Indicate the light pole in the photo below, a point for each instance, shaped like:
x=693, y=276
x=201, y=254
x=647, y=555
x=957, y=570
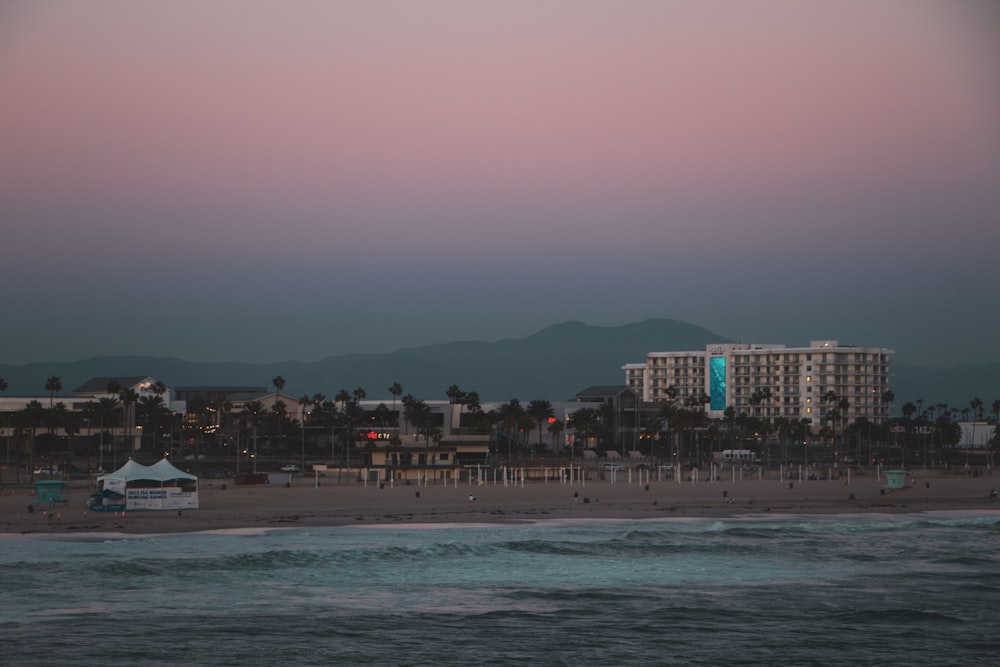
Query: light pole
x=304, y=415
x=100, y=448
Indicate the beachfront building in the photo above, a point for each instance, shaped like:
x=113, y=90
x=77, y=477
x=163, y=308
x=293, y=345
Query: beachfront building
x=619, y=409
x=107, y=412
x=820, y=383
x=452, y=442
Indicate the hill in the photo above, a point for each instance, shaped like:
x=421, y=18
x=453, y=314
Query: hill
x=554, y=364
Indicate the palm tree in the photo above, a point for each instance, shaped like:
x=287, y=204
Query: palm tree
x=354, y=415
x=540, y=411
x=280, y=413
x=783, y=426
x=976, y=406
x=475, y=408
x=418, y=413
x=525, y=425
x=52, y=385
x=584, y=421
x=908, y=411
x=107, y=408
x=342, y=397
x=396, y=390
x=382, y=415
x=253, y=410
x=887, y=399
x=304, y=403
x=279, y=383
x=159, y=388
x=432, y=433
x=454, y=393
x=34, y=415
x=671, y=393
x=555, y=429
x=326, y=415
x=473, y=402
x=3, y=387
x=457, y=397
x=150, y=409
x=510, y=413
x=730, y=415
x=225, y=411
x=70, y=421
x=844, y=405
x=830, y=399
x=682, y=420
x=128, y=398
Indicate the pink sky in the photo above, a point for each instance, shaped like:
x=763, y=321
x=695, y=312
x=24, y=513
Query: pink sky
x=462, y=131
x=145, y=99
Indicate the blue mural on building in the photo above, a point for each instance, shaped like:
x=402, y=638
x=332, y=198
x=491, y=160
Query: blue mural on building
x=717, y=382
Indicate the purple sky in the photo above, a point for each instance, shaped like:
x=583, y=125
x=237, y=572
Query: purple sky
x=259, y=181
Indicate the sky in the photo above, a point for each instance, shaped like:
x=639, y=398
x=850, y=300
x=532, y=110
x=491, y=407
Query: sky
x=253, y=180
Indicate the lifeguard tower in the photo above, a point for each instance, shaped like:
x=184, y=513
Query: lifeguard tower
x=895, y=479
x=49, y=492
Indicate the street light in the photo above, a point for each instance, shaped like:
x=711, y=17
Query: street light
x=304, y=415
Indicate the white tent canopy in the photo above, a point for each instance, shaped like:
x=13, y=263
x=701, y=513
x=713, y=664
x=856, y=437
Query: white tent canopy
x=167, y=471
x=157, y=487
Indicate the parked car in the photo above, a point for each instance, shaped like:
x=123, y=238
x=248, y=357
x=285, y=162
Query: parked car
x=46, y=471
x=290, y=467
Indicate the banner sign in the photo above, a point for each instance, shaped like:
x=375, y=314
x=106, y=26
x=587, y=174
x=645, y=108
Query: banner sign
x=166, y=498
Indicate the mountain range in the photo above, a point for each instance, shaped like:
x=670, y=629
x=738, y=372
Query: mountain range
x=553, y=364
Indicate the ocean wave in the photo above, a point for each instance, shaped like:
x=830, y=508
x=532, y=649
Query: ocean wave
x=897, y=617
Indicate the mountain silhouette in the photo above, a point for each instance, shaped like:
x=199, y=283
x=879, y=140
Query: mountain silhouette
x=553, y=364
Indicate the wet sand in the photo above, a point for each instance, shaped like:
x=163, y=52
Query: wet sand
x=226, y=506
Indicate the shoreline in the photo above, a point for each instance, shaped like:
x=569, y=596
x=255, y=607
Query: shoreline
x=302, y=504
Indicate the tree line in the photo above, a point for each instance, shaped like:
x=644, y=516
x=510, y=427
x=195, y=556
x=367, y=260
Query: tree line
x=318, y=427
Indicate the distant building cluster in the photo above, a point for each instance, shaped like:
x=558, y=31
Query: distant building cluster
x=665, y=408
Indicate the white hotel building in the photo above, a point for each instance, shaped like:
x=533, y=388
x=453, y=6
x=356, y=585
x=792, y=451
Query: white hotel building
x=794, y=379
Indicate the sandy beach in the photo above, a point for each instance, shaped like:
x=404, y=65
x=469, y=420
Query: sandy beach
x=224, y=505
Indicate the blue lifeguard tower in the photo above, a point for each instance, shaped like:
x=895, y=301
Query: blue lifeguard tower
x=895, y=479
x=49, y=492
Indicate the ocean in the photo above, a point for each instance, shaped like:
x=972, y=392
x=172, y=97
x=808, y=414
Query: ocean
x=907, y=589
